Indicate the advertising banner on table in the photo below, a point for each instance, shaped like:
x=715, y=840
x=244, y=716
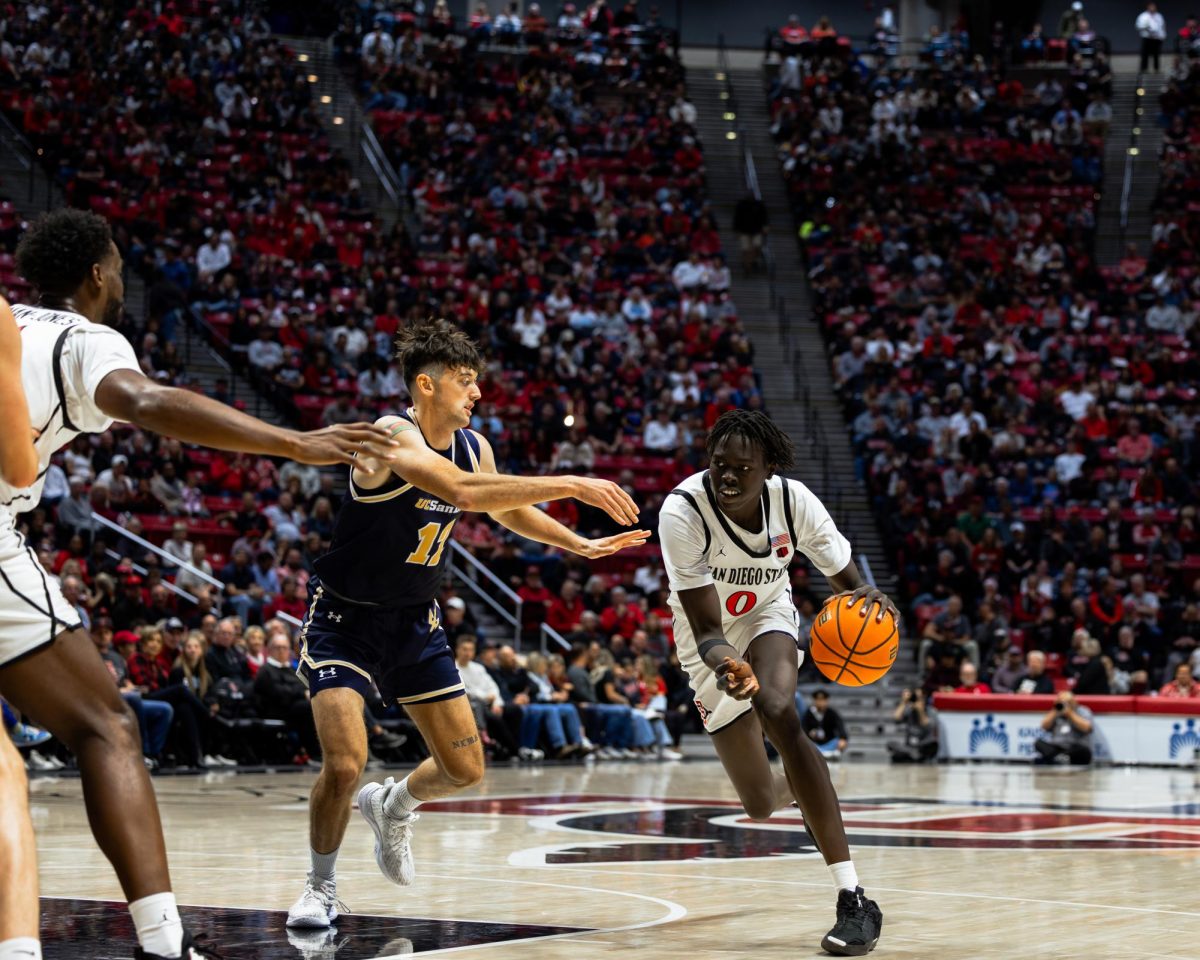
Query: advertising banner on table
x=1125, y=729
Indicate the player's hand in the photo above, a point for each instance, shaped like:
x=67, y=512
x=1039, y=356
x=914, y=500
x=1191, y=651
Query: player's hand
x=737, y=679
x=608, y=496
x=353, y=443
x=607, y=545
x=870, y=597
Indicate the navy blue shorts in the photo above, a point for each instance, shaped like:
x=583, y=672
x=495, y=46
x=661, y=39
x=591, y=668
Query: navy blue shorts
x=402, y=649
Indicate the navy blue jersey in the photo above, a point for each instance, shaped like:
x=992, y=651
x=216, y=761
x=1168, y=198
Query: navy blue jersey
x=390, y=544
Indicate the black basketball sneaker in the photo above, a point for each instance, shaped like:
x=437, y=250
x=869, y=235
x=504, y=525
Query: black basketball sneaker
x=859, y=922
x=190, y=951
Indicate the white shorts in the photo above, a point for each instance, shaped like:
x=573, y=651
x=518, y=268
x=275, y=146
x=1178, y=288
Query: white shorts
x=33, y=610
x=717, y=708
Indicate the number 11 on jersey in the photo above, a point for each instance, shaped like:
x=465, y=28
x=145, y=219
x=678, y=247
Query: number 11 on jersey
x=431, y=534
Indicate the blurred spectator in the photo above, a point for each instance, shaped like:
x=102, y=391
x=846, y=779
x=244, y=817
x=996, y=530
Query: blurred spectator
x=968, y=680
x=1182, y=685
x=1007, y=677
x=1067, y=736
x=823, y=725
x=280, y=694
x=917, y=726
x=1035, y=680
x=224, y=658
x=494, y=719
x=1153, y=30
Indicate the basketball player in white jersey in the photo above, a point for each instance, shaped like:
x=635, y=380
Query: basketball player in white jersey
x=79, y=376
x=728, y=536
x=18, y=853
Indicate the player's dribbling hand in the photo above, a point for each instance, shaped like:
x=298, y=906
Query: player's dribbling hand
x=609, y=497
x=345, y=442
x=870, y=596
x=737, y=679
x=606, y=545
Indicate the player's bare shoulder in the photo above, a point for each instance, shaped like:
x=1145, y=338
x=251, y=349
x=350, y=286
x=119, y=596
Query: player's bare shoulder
x=400, y=429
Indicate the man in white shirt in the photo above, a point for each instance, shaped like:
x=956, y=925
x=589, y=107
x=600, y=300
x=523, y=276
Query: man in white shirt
x=636, y=308
x=661, y=433
x=690, y=274
x=961, y=422
x=266, y=352
x=378, y=44
x=1153, y=30
x=117, y=479
x=1076, y=399
x=213, y=256
x=178, y=545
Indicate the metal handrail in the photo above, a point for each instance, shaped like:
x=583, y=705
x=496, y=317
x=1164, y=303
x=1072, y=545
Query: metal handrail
x=388, y=178
x=549, y=633
x=1130, y=153
x=864, y=567
x=157, y=551
x=142, y=571
x=513, y=619
x=178, y=591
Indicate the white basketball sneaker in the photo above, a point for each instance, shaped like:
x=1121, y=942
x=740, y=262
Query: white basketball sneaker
x=393, y=835
x=317, y=906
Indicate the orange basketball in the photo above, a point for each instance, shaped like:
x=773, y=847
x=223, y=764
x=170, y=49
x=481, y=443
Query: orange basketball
x=851, y=649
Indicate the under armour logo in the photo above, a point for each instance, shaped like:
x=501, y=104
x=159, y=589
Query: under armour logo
x=327, y=674
x=335, y=617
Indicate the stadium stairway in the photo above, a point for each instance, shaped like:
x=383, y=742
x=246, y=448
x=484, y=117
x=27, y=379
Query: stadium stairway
x=792, y=357
x=1129, y=130
x=793, y=362
x=349, y=131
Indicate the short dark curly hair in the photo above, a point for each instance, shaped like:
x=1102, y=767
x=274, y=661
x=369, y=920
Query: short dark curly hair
x=59, y=250
x=757, y=429
x=435, y=344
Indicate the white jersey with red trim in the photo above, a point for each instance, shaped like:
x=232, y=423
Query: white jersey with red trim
x=702, y=546
x=64, y=356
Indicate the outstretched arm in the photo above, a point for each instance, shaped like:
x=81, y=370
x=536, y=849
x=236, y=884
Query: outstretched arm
x=535, y=524
x=132, y=397
x=490, y=492
x=18, y=458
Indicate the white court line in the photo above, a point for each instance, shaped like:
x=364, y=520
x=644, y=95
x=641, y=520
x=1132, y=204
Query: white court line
x=906, y=890
x=674, y=910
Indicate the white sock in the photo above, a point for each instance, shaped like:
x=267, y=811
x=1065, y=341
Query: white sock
x=845, y=877
x=323, y=864
x=159, y=929
x=399, y=801
x=20, y=948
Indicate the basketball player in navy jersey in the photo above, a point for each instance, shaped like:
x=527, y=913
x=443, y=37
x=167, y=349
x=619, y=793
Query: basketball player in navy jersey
x=728, y=536
x=18, y=853
x=79, y=375
x=373, y=616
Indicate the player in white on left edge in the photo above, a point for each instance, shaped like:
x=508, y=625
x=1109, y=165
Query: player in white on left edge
x=728, y=536
x=79, y=376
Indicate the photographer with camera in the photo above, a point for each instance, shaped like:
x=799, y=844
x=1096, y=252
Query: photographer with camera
x=1068, y=733
x=918, y=730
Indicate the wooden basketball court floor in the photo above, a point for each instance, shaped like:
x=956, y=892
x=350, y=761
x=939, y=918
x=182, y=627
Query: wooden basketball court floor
x=657, y=861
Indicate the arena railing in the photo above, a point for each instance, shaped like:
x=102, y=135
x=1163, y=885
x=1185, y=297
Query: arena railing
x=1131, y=153
x=26, y=157
x=175, y=562
x=470, y=569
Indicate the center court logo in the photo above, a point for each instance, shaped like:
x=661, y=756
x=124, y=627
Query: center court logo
x=988, y=737
x=1183, y=738
x=623, y=829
